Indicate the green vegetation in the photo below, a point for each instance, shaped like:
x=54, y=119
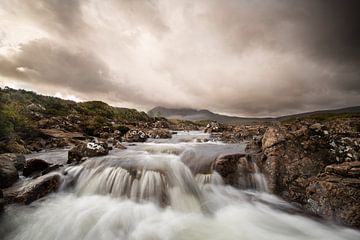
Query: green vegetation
x=21, y=112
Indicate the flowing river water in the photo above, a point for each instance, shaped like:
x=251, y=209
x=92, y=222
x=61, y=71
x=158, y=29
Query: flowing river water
x=161, y=189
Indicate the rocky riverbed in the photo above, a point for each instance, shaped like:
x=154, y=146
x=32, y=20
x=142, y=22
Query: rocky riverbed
x=312, y=164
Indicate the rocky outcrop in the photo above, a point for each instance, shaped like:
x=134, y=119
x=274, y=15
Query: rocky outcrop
x=159, y=133
x=316, y=165
x=238, y=170
x=8, y=172
x=135, y=135
x=84, y=150
x=57, y=133
x=31, y=190
x=243, y=133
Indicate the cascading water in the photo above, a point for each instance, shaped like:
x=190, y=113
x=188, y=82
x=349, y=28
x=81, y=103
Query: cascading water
x=162, y=190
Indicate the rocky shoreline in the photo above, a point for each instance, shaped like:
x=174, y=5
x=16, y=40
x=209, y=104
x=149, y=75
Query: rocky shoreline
x=312, y=164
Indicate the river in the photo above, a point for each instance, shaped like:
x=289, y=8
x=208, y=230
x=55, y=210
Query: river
x=161, y=189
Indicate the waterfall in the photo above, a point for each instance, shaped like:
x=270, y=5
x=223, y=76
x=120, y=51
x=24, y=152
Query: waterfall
x=165, y=190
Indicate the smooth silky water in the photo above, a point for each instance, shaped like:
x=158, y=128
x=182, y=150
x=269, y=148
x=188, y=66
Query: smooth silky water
x=161, y=189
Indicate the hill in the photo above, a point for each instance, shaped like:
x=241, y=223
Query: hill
x=206, y=115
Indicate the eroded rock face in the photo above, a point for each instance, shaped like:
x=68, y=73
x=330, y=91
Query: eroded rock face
x=315, y=165
x=237, y=170
x=90, y=149
x=335, y=198
x=31, y=190
x=8, y=172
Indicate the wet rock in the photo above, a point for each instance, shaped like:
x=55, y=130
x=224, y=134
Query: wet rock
x=335, y=198
x=316, y=165
x=214, y=127
x=135, y=136
x=17, y=159
x=28, y=191
x=8, y=173
x=35, y=166
x=237, y=170
x=118, y=145
x=90, y=149
x=159, y=133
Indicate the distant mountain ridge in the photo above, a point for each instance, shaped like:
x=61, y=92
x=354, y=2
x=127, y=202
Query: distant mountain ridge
x=200, y=115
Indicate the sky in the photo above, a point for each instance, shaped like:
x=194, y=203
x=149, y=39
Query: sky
x=239, y=57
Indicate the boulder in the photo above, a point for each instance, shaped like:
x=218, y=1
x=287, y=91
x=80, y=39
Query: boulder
x=8, y=173
x=135, y=135
x=237, y=170
x=214, y=127
x=159, y=133
x=118, y=145
x=32, y=189
x=272, y=137
x=17, y=159
x=35, y=166
x=90, y=149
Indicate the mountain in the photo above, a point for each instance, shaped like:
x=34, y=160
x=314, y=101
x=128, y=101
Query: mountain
x=200, y=115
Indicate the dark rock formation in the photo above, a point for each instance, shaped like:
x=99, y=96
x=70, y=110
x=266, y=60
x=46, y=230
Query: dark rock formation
x=315, y=165
x=237, y=170
x=90, y=149
x=8, y=173
x=31, y=190
x=35, y=166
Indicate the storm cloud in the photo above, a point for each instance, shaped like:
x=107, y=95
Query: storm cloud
x=250, y=58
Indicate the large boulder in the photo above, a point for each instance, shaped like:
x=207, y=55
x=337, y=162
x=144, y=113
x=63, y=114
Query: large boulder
x=8, y=172
x=35, y=166
x=84, y=150
x=135, y=135
x=32, y=189
x=237, y=170
x=159, y=133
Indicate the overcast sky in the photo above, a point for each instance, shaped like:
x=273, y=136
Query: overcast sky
x=240, y=57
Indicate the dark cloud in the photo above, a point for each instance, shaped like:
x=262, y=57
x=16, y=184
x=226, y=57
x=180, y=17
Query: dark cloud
x=242, y=57
x=43, y=62
x=63, y=16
